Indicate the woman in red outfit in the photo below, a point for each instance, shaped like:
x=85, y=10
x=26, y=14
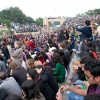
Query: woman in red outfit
x=31, y=44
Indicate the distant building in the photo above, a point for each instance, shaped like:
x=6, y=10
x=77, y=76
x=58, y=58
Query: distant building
x=3, y=30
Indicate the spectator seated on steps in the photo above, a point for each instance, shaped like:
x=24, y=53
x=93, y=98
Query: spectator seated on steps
x=59, y=68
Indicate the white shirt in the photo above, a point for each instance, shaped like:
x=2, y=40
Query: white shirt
x=50, y=49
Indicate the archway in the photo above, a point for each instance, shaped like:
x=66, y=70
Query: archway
x=47, y=21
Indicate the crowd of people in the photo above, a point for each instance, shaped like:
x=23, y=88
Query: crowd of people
x=81, y=18
x=22, y=28
x=34, y=67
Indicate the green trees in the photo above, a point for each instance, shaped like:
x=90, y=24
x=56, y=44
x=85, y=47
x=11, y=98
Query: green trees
x=90, y=12
x=39, y=21
x=96, y=11
x=4, y=21
x=14, y=14
x=29, y=20
x=93, y=12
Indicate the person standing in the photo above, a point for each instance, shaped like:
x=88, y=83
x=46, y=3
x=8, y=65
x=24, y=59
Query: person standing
x=86, y=30
x=5, y=51
x=63, y=35
x=17, y=54
x=31, y=44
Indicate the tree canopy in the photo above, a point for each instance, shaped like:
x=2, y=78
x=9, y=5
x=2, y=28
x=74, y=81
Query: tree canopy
x=14, y=14
x=93, y=12
x=39, y=21
x=90, y=12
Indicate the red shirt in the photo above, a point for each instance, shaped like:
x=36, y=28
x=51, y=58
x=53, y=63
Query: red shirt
x=43, y=61
x=31, y=44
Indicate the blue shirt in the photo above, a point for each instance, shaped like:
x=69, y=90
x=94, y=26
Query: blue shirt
x=86, y=32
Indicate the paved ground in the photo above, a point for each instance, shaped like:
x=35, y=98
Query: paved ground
x=69, y=75
x=67, y=79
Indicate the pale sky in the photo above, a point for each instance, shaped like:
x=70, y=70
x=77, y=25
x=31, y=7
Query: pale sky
x=54, y=8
